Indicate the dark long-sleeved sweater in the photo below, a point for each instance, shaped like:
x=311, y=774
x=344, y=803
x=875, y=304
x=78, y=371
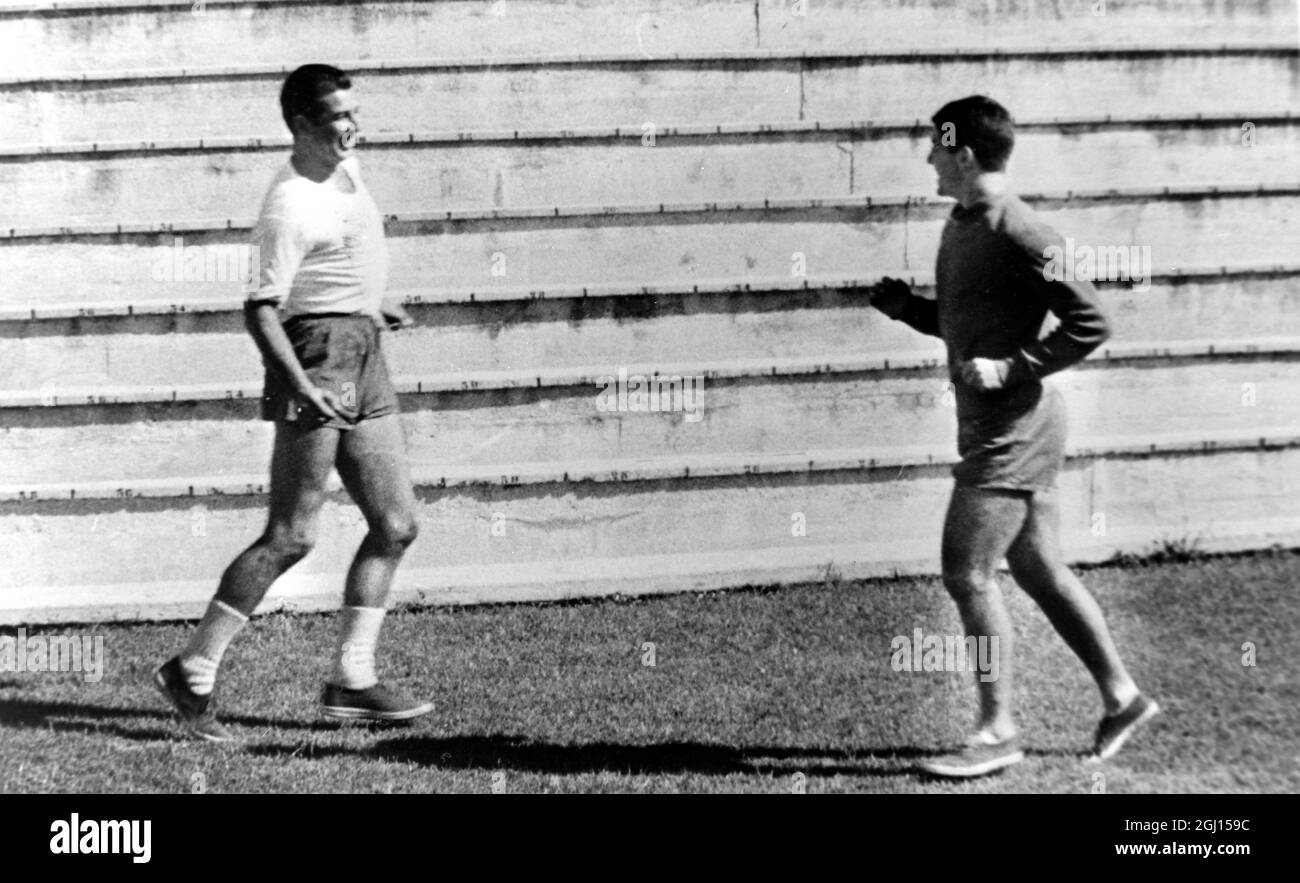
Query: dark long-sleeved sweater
x=992, y=298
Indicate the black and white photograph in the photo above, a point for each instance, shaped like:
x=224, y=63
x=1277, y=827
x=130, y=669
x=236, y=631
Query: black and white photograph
x=789, y=397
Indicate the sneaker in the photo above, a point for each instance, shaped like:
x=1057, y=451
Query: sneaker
x=979, y=758
x=377, y=703
x=1114, y=729
x=194, y=710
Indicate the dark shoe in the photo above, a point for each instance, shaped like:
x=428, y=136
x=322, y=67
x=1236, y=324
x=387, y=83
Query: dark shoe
x=1114, y=729
x=193, y=709
x=377, y=703
x=978, y=758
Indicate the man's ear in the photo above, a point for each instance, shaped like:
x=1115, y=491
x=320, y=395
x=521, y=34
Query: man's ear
x=966, y=159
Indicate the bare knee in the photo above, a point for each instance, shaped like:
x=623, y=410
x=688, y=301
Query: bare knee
x=395, y=531
x=967, y=583
x=1039, y=578
x=289, y=543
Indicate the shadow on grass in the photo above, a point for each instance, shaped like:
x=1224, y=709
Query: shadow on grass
x=489, y=753
x=104, y=720
x=514, y=753
x=524, y=755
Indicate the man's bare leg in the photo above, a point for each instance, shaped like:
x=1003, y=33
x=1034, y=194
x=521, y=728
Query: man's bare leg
x=301, y=461
x=300, y=466
x=372, y=463
x=1039, y=567
x=979, y=528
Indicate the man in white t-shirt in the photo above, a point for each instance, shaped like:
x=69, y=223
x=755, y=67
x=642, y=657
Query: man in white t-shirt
x=323, y=268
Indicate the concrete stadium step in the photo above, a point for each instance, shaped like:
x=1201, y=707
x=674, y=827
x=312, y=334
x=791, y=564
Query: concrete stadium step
x=764, y=408
x=469, y=170
x=777, y=319
x=57, y=37
x=670, y=244
x=638, y=94
x=127, y=505
x=91, y=560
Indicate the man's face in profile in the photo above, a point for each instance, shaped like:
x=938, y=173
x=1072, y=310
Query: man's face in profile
x=331, y=137
x=946, y=166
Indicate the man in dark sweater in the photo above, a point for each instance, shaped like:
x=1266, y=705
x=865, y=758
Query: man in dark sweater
x=992, y=298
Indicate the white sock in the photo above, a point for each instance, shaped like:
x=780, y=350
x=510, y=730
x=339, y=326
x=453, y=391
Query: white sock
x=1125, y=696
x=354, y=664
x=202, y=655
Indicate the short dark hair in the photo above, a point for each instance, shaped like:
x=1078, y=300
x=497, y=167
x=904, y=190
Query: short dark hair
x=304, y=88
x=983, y=125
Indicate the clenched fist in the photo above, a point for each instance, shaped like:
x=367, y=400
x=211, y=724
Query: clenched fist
x=888, y=288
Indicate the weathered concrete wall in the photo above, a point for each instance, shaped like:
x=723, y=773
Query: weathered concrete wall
x=522, y=335
x=562, y=541
x=634, y=92
x=695, y=243
x=188, y=34
x=761, y=412
x=131, y=463
x=561, y=171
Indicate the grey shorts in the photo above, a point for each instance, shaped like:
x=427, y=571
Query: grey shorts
x=341, y=353
x=1016, y=442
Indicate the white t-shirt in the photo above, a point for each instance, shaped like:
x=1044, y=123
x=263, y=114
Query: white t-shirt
x=320, y=246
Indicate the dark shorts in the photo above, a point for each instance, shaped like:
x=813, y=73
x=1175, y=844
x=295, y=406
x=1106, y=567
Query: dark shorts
x=340, y=353
x=1016, y=443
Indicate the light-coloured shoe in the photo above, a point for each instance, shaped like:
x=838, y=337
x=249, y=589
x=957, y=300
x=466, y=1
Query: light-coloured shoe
x=979, y=758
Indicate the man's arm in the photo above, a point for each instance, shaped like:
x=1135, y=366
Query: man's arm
x=894, y=298
x=263, y=322
x=1083, y=328
x=394, y=314
x=280, y=249
x=1082, y=324
x=1074, y=302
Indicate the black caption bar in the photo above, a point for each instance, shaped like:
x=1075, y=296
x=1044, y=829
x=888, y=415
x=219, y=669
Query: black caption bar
x=300, y=833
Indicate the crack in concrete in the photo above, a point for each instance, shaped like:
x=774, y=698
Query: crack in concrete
x=851, y=155
x=907, y=224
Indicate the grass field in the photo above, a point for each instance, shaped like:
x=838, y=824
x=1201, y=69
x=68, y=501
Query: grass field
x=750, y=691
